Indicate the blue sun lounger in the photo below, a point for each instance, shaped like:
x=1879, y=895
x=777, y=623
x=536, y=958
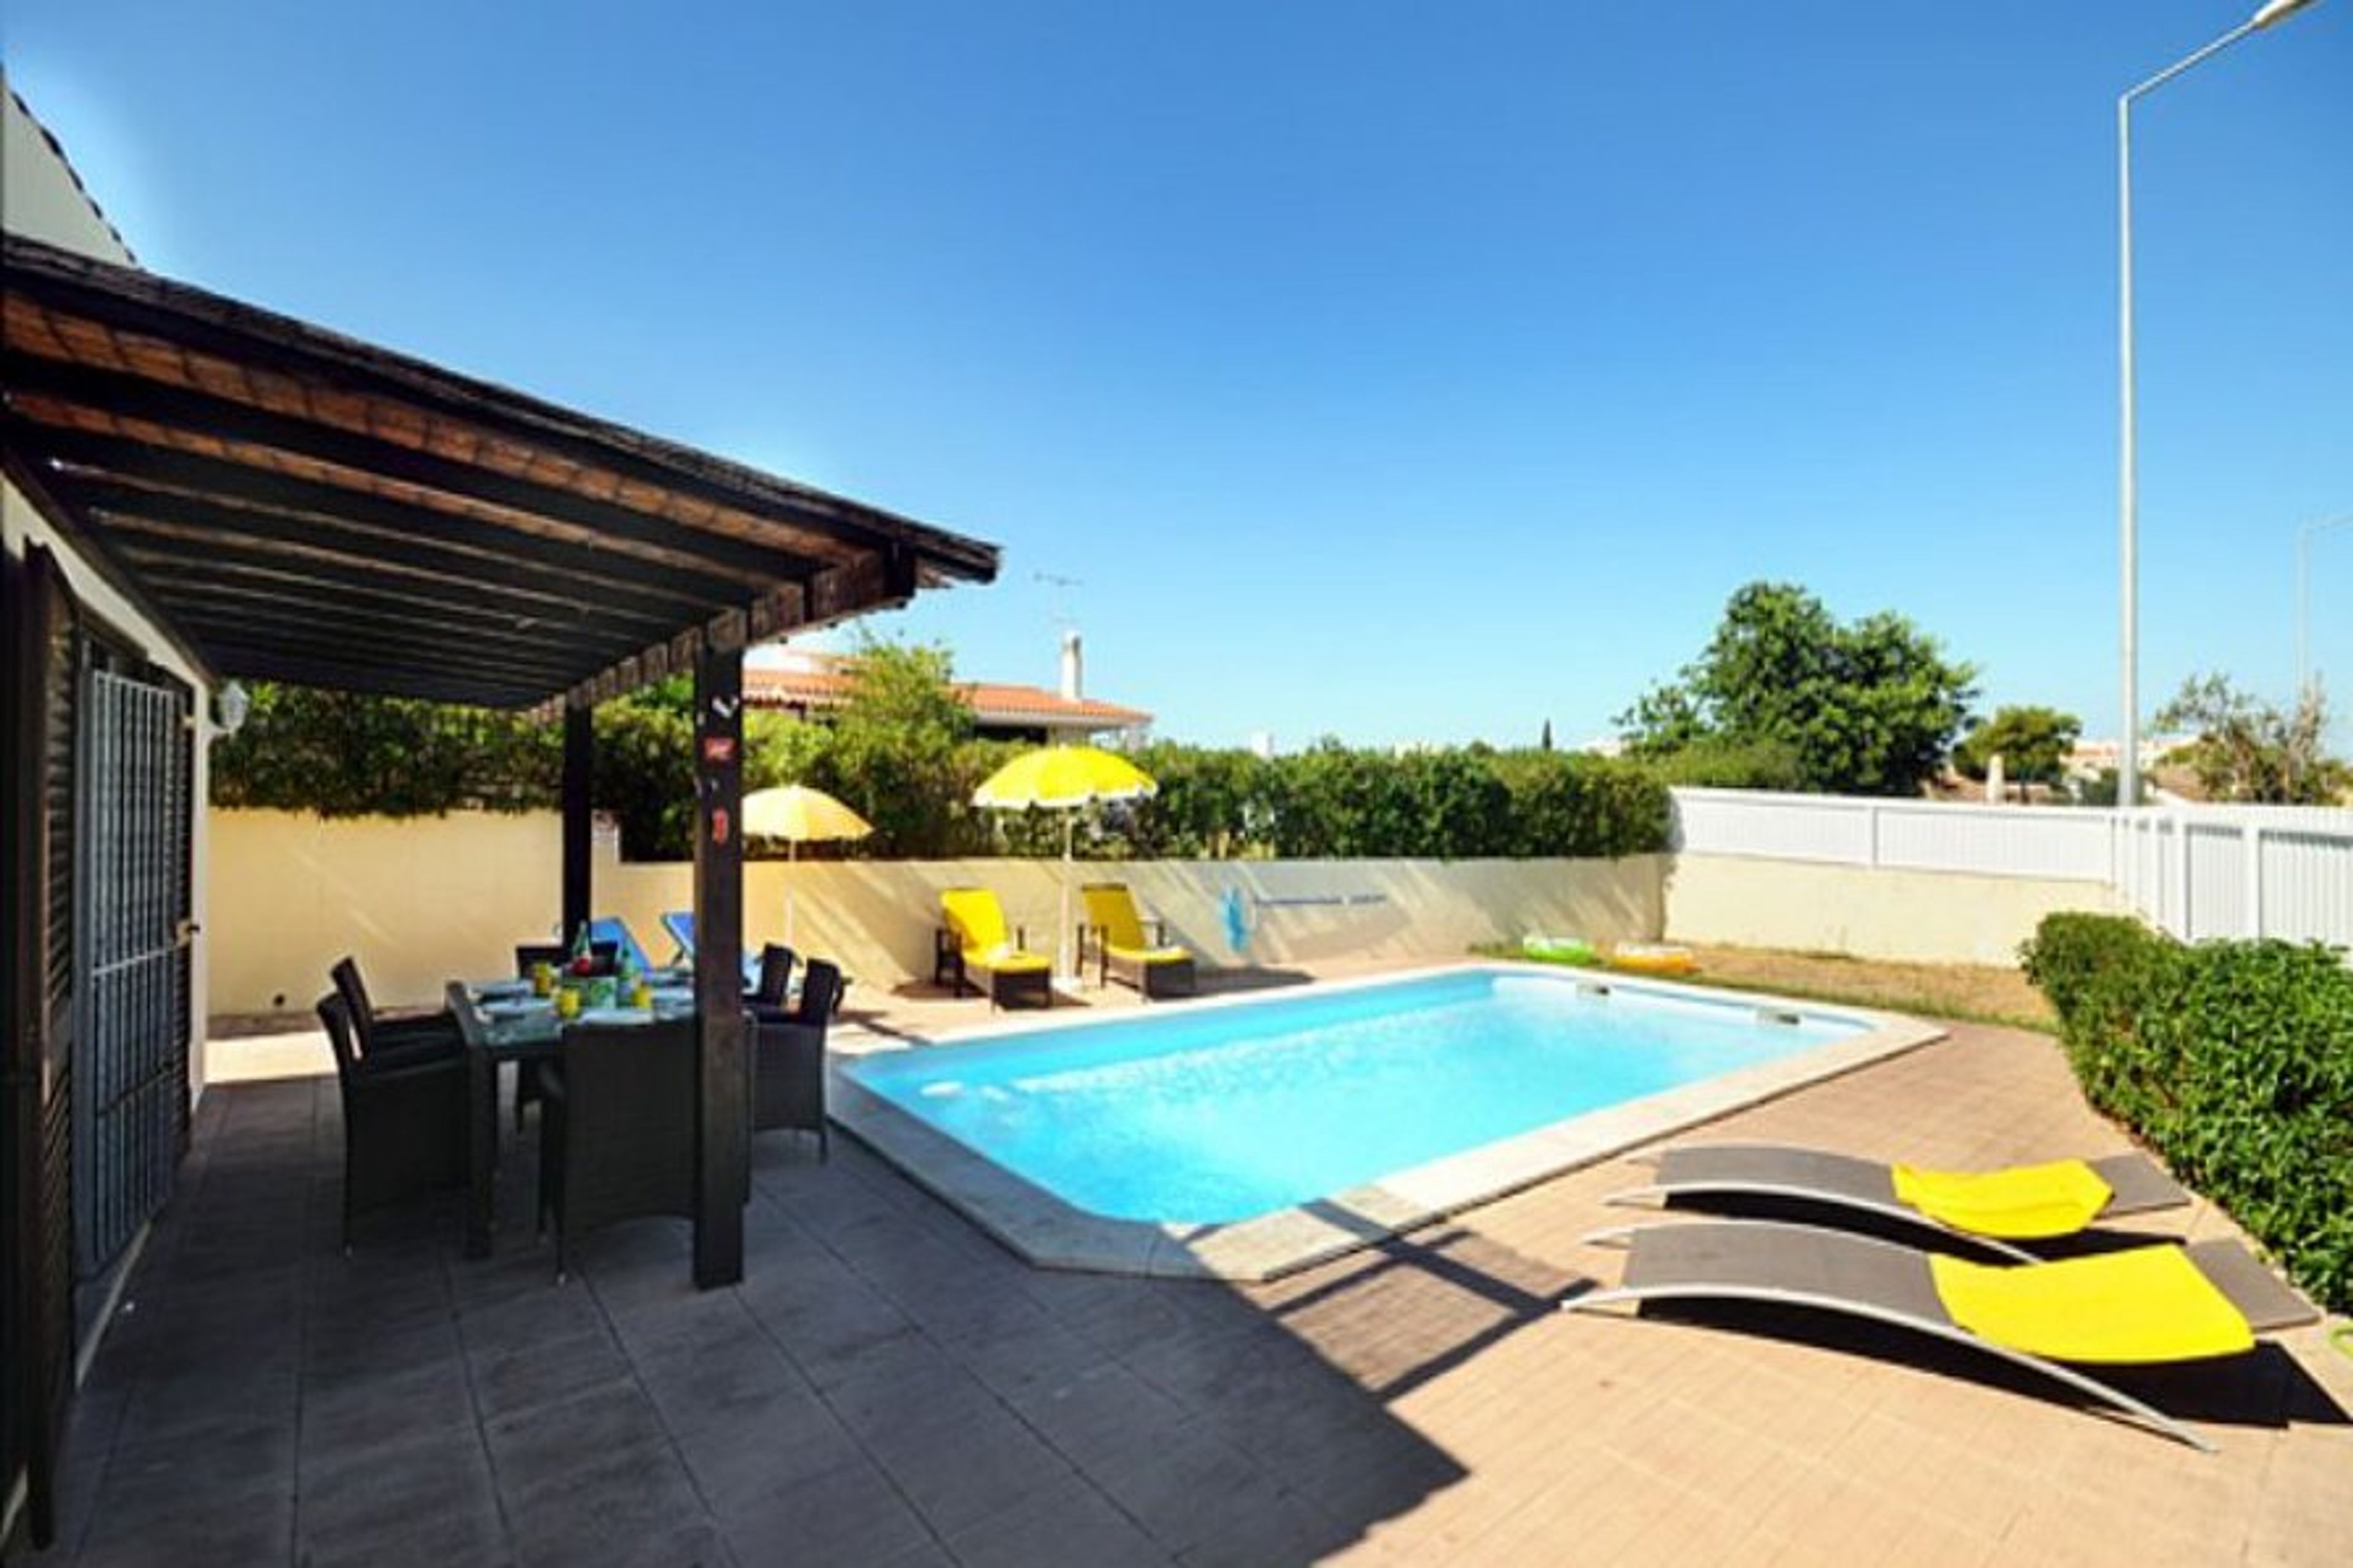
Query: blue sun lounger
x=615, y=929
x=679, y=926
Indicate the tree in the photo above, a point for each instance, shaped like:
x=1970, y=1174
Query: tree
x=1863, y=709
x=2032, y=743
x=2249, y=751
x=896, y=737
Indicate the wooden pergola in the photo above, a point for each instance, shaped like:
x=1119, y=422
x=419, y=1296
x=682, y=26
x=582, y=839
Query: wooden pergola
x=290, y=504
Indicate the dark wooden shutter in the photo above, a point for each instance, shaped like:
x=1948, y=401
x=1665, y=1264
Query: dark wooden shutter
x=17, y=1081
x=44, y=660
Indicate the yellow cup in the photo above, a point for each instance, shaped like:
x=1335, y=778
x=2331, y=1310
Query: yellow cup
x=643, y=996
x=567, y=1003
x=543, y=979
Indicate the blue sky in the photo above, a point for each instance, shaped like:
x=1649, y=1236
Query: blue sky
x=1399, y=371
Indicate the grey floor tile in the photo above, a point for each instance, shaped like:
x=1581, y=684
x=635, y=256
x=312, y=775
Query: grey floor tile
x=853, y=1515
x=695, y=1384
x=545, y=1445
x=784, y=1444
x=1070, y=1525
x=522, y=1378
x=364, y=1411
x=605, y=1509
x=220, y=1532
x=960, y=1470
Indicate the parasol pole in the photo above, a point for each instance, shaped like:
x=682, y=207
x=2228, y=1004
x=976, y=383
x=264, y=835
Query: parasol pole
x=792, y=858
x=1062, y=931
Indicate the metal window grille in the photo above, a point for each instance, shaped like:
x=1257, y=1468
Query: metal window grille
x=130, y=1075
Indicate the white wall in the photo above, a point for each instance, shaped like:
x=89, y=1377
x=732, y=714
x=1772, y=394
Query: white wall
x=40, y=194
x=2199, y=871
x=1918, y=917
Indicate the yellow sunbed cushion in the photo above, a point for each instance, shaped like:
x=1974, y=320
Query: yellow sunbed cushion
x=2147, y=1305
x=2019, y=1203
x=1149, y=954
x=977, y=916
x=1110, y=906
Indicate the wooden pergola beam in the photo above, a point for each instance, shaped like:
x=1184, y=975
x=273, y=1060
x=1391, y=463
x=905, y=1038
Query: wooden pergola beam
x=117, y=459
x=290, y=504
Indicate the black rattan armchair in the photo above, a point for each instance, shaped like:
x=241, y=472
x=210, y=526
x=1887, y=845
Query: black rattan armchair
x=531, y=953
x=788, y=1059
x=404, y=1036
x=618, y=1126
x=770, y=1000
x=404, y=1121
x=529, y=956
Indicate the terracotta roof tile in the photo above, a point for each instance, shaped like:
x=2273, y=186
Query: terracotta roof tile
x=991, y=700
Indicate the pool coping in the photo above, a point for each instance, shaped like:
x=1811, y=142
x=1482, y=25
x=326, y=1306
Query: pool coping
x=1049, y=1232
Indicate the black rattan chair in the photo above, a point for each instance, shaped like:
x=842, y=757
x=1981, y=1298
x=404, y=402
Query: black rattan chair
x=529, y=953
x=618, y=1126
x=788, y=1059
x=771, y=1000
x=528, y=956
x=390, y=1037
x=404, y=1121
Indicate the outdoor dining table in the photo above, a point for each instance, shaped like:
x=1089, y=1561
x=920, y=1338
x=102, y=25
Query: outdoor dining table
x=504, y=1021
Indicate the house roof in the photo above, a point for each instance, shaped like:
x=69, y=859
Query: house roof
x=298, y=505
x=823, y=680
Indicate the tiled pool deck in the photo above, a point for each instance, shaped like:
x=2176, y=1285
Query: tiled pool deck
x=888, y=1386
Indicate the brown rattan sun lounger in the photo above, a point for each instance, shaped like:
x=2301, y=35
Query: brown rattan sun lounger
x=2134, y=1185
x=2145, y=1306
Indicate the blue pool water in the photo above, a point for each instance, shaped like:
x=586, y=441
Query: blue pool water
x=1211, y=1115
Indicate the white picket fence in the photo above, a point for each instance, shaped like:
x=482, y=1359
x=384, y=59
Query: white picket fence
x=2197, y=871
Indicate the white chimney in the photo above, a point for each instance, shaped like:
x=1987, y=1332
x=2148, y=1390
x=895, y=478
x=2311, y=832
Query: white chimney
x=1073, y=668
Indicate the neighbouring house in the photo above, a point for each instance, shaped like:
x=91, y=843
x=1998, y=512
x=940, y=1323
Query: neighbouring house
x=810, y=685
x=199, y=491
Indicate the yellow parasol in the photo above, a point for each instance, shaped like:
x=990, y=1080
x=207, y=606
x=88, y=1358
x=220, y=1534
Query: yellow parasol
x=799, y=815
x=1066, y=779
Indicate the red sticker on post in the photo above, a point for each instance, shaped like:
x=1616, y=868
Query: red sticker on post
x=719, y=824
x=719, y=750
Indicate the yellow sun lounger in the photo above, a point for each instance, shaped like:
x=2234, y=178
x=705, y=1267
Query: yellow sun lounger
x=1157, y=968
x=974, y=942
x=1990, y=1209
x=2145, y=1306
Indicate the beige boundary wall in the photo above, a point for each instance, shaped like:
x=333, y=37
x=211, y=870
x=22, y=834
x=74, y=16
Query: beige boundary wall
x=422, y=900
x=1925, y=917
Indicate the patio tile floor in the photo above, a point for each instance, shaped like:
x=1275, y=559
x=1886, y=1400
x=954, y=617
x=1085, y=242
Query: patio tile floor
x=888, y=1386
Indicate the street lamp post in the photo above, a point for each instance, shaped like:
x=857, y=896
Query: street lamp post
x=2304, y=596
x=2127, y=500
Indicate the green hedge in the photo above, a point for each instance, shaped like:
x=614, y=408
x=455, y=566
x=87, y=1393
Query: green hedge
x=1332, y=801
x=349, y=756
x=2234, y=1060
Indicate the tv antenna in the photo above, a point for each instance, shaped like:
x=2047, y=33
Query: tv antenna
x=1056, y=585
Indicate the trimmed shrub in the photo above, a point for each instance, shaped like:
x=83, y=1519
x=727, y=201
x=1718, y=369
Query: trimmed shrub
x=2234, y=1060
x=902, y=757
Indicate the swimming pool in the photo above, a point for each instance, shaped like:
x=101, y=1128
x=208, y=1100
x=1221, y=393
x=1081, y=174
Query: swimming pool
x=1355, y=1106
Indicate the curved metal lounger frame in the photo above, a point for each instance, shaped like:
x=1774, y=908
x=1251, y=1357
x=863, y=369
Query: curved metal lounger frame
x=1879, y=1313
x=2117, y=1169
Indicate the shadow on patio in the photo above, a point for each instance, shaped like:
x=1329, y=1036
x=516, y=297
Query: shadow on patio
x=886, y=1386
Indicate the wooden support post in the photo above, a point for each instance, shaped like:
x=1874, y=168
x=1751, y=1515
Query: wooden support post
x=724, y=1140
x=579, y=763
